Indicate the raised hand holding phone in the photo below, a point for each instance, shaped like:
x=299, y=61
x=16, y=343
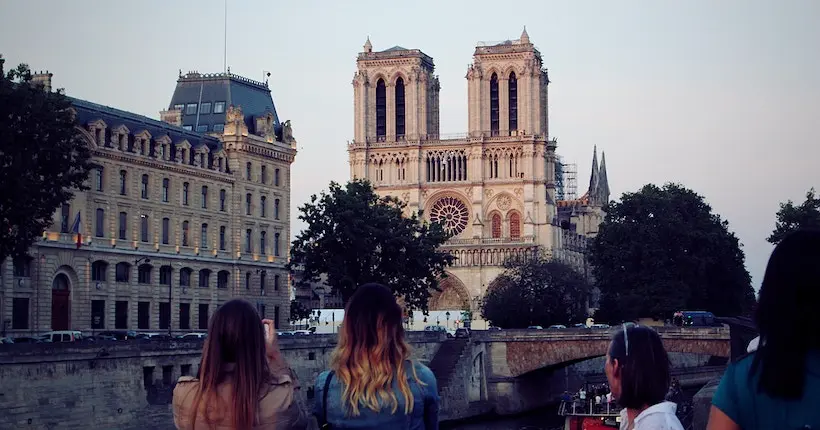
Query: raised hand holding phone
x=275, y=359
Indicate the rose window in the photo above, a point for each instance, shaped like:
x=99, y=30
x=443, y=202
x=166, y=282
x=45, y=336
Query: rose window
x=451, y=213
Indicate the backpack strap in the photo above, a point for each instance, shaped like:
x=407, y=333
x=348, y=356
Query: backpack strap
x=326, y=425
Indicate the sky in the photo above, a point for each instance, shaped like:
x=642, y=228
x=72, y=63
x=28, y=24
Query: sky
x=717, y=96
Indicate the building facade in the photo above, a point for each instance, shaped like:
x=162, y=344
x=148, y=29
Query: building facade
x=493, y=187
x=181, y=215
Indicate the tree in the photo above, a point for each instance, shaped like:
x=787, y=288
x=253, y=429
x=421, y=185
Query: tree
x=660, y=250
x=43, y=159
x=354, y=237
x=298, y=311
x=536, y=291
x=791, y=217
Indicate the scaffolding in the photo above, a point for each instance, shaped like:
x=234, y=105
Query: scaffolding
x=566, y=180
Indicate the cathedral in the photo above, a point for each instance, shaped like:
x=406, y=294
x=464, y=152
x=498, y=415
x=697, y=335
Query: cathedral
x=493, y=188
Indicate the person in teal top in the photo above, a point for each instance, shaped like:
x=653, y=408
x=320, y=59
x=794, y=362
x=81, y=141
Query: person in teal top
x=778, y=385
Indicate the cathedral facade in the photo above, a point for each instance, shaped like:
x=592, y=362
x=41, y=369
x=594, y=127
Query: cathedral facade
x=494, y=187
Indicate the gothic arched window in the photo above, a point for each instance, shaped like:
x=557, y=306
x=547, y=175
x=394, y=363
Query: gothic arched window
x=496, y=226
x=494, y=105
x=381, y=110
x=515, y=225
x=399, y=108
x=513, y=96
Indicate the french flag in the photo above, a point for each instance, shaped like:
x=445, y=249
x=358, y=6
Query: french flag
x=76, y=230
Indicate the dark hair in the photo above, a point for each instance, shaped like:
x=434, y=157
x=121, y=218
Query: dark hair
x=786, y=315
x=235, y=335
x=644, y=368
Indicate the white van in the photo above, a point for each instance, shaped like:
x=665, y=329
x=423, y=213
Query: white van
x=62, y=336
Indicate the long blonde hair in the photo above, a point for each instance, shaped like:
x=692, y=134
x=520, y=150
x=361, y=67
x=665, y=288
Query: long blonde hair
x=372, y=352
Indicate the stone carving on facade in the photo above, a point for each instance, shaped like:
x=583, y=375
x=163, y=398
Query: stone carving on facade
x=424, y=194
x=405, y=197
x=469, y=192
x=287, y=132
x=488, y=192
x=234, y=114
x=504, y=202
x=519, y=192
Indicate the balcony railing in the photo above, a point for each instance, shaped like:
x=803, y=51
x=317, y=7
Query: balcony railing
x=524, y=240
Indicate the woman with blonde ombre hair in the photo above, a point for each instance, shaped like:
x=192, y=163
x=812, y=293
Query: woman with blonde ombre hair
x=372, y=383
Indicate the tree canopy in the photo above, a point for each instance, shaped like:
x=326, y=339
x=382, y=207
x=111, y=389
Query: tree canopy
x=660, y=250
x=43, y=159
x=298, y=311
x=354, y=237
x=791, y=217
x=536, y=291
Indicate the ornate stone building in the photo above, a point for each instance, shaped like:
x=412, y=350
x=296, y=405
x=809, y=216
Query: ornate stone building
x=181, y=215
x=493, y=187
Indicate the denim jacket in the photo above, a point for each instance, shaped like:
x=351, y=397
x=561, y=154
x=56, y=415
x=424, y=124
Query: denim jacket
x=424, y=415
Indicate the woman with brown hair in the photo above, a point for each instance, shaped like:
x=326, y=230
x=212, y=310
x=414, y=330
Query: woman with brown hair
x=372, y=383
x=243, y=381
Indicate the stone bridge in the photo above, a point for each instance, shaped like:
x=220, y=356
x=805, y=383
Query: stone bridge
x=524, y=351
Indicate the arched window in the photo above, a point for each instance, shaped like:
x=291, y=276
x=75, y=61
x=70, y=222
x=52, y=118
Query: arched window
x=494, y=105
x=276, y=208
x=165, y=273
x=381, y=110
x=515, y=225
x=276, y=244
x=123, y=179
x=222, y=279
x=204, y=278
x=185, y=277
x=399, y=108
x=122, y=272
x=184, y=233
x=99, y=271
x=144, y=274
x=263, y=235
x=496, y=226
x=263, y=204
x=513, y=96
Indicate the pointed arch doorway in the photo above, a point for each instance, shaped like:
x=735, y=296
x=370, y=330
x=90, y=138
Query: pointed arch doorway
x=60, y=302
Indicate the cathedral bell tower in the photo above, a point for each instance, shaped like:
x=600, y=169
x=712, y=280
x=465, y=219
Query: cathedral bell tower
x=396, y=96
x=507, y=89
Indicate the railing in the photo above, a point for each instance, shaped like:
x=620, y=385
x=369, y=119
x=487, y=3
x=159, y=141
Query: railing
x=588, y=408
x=524, y=240
x=449, y=138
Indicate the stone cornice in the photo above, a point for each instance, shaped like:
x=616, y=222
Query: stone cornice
x=115, y=155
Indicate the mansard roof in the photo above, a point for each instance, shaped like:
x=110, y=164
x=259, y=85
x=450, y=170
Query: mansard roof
x=88, y=111
x=253, y=96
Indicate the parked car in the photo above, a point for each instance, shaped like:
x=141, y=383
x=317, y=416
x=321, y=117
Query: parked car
x=556, y=327
x=193, y=336
x=462, y=332
x=535, y=327
x=26, y=339
x=153, y=336
x=6, y=340
x=600, y=326
x=63, y=336
x=117, y=334
x=492, y=327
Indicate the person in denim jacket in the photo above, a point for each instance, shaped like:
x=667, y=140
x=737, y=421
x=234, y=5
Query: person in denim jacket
x=373, y=384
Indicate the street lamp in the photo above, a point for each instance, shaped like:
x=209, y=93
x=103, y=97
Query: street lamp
x=447, y=314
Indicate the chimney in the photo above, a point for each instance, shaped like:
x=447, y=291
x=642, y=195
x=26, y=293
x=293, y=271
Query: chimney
x=173, y=117
x=43, y=79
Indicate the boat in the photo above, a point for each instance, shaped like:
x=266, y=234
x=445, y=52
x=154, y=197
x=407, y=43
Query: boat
x=587, y=416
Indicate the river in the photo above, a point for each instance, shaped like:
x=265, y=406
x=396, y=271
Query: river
x=540, y=419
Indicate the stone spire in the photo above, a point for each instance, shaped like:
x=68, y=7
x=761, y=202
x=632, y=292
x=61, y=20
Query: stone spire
x=593, y=179
x=368, y=47
x=603, y=184
x=525, y=38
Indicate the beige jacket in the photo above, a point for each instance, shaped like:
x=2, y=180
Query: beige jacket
x=278, y=407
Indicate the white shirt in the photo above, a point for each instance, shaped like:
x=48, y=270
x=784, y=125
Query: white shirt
x=658, y=417
x=582, y=395
x=753, y=345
